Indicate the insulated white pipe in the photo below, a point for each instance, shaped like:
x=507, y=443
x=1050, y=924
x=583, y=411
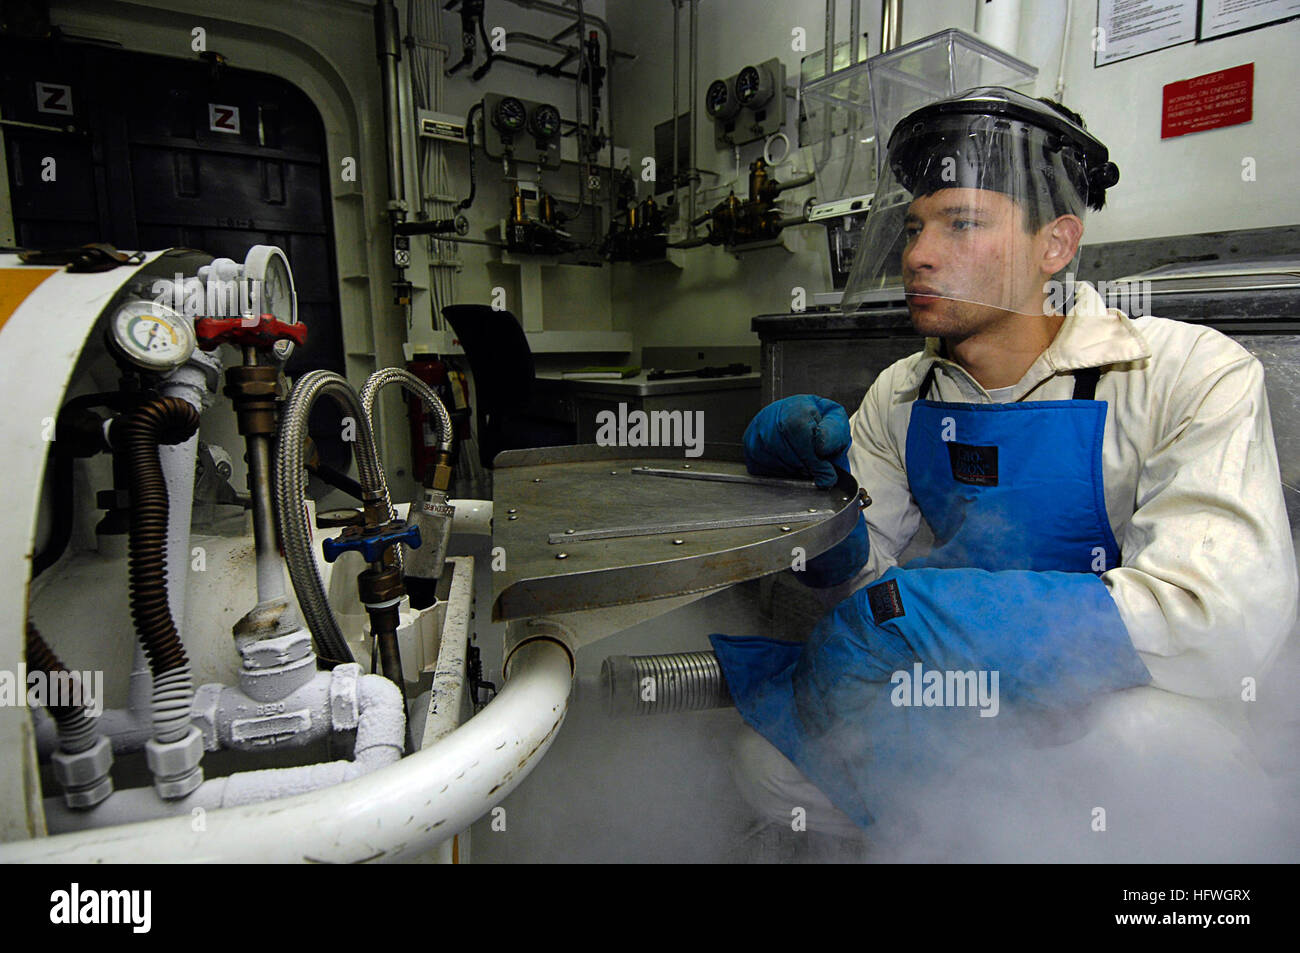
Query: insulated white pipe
x=381, y=735
x=190, y=385
x=398, y=811
x=997, y=23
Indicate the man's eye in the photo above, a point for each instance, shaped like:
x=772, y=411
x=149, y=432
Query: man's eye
x=911, y=232
x=963, y=224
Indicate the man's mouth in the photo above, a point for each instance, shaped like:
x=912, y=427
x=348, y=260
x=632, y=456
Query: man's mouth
x=922, y=295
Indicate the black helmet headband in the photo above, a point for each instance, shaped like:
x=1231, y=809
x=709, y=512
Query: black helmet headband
x=993, y=135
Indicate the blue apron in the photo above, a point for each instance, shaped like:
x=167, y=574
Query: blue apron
x=1010, y=592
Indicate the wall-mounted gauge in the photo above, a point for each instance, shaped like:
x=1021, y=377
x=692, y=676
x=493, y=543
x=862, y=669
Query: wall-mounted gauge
x=152, y=336
x=510, y=115
x=544, y=123
x=267, y=270
x=754, y=86
x=719, y=102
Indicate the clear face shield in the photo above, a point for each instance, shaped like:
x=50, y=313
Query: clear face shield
x=973, y=215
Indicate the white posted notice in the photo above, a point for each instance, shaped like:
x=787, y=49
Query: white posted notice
x=1127, y=28
x=1221, y=17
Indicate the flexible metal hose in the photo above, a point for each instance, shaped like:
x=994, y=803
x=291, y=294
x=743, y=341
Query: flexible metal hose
x=655, y=684
x=76, y=730
x=399, y=375
x=291, y=504
x=370, y=393
x=163, y=420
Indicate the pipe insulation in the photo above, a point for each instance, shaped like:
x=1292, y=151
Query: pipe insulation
x=164, y=420
x=396, y=812
x=381, y=729
x=76, y=730
x=232, y=719
x=997, y=23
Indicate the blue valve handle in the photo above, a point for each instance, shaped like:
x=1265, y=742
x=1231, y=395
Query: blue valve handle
x=371, y=543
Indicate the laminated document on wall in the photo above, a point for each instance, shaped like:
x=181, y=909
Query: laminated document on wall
x=1221, y=18
x=1128, y=28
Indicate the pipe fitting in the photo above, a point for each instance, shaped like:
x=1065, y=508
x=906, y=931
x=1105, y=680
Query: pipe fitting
x=201, y=363
x=277, y=667
x=522, y=632
x=255, y=391
x=84, y=775
x=231, y=719
x=433, y=516
x=204, y=711
x=345, y=704
x=380, y=588
x=176, y=764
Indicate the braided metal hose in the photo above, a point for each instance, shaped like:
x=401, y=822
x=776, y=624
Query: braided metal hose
x=399, y=375
x=291, y=504
x=76, y=730
x=432, y=551
x=162, y=420
x=655, y=684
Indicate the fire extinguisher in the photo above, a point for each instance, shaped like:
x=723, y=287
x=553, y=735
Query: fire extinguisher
x=449, y=385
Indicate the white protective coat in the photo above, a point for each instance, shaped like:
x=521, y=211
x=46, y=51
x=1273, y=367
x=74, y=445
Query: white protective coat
x=1207, y=585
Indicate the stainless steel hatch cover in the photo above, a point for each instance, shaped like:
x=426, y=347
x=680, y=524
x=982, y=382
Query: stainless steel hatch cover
x=589, y=527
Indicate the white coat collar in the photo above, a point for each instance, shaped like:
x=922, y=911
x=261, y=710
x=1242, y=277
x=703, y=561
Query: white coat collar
x=1092, y=335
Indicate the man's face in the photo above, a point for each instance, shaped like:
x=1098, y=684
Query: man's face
x=969, y=248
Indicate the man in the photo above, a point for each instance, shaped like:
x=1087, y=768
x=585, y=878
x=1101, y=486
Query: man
x=1103, y=491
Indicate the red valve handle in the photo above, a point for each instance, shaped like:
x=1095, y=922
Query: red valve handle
x=263, y=331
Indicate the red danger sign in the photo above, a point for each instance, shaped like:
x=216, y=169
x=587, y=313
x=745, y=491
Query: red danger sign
x=1225, y=98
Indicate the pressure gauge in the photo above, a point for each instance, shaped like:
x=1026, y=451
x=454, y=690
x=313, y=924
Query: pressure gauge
x=153, y=336
x=510, y=116
x=754, y=86
x=266, y=269
x=544, y=122
x=718, y=101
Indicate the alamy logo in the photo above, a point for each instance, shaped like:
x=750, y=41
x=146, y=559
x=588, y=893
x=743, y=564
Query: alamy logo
x=133, y=907
x=658, y=428
x=945, y=689
x=1131, y=297
x=26, y=689
x=215, y=298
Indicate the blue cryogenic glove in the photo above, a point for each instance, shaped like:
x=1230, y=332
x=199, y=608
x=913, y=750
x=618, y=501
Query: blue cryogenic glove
x=803, y=436
x=841, y=562
x=798, y=436
x=1055, y=638
x=839, y=707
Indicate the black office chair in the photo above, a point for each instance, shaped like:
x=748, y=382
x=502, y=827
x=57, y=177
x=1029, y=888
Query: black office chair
x=502, y=365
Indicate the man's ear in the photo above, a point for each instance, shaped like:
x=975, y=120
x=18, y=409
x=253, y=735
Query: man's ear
x=1062, y=238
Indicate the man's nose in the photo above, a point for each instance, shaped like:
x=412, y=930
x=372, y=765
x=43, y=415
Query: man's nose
x=921, y=251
